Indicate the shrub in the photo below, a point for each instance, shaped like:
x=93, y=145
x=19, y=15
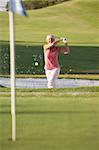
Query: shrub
x=36, y=4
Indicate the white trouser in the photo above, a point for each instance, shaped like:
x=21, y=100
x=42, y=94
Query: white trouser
x=52, y=76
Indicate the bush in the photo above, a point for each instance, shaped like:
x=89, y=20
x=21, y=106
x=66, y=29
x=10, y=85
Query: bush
x=36, y=4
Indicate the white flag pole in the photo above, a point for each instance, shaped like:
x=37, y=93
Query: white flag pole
x=12, y=75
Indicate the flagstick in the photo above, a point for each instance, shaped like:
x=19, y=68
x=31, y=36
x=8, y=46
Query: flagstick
x=12, y=75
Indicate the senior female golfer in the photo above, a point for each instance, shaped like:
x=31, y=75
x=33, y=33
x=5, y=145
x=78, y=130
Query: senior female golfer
x=51, y=50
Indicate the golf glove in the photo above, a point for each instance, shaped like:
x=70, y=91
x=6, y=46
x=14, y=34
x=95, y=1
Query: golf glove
x=64, y=40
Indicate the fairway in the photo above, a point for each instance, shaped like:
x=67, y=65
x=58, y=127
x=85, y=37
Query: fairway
x=57, y=119
x=75, y=19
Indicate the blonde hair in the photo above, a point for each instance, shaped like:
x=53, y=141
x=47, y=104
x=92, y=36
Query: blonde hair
x=50, y=36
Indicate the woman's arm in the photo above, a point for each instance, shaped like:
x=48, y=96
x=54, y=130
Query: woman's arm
x=49, y=45
x=65, y=50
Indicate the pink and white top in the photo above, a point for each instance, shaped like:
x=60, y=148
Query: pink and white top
x=51, y=58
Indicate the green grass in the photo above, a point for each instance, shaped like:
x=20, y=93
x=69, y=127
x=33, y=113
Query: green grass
x=57, y=119
x=82, y=59
x=65, y=76
x=76, y=19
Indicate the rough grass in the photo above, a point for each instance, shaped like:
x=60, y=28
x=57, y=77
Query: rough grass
x=53, y=92
x=66, y=76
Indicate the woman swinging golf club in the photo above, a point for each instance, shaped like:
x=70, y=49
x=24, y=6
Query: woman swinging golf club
x=51, y=50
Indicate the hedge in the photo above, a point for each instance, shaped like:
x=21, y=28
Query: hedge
x=37, y=4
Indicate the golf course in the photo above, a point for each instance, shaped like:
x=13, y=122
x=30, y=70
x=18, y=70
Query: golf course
x=52, y=119
x=76, y=20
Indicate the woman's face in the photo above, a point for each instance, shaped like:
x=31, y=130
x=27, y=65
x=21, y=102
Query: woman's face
x=50, y=40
